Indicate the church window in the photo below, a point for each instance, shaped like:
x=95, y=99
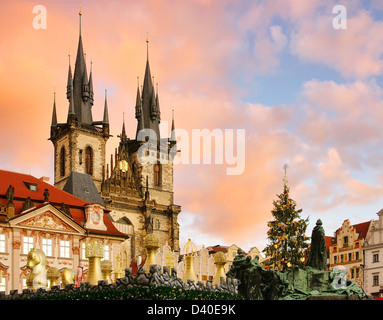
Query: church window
x=157, y=175
x=62, y=161
x=89, y=160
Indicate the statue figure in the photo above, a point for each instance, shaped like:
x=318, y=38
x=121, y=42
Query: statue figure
x=27, y=204
x=10, y=193
x=46, y=195
x=318, y=255
x=148, y=221
x=37, y=263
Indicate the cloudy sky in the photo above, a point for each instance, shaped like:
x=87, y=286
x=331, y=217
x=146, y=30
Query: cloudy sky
x=307, y=95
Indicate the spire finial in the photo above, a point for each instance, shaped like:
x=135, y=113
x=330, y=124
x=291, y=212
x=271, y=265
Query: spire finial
x=80, y=14
x=147, y=46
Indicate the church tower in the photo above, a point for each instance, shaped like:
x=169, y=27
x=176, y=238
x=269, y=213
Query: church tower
x=79, y=143
x=138, y=188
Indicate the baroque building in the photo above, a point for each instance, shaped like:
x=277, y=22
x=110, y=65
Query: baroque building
x=35, y=214
x=346, y=249
x=137, y=185
x=373, y=252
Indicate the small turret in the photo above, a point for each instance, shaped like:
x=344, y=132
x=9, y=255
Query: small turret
x=69, y=82
x=105, y=120
x=54, y=117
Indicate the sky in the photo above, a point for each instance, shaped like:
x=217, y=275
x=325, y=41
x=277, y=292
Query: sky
x=290, y=86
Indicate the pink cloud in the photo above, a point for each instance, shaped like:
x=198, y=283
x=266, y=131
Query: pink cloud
x=353, y=52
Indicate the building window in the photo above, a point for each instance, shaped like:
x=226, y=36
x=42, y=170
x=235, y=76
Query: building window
x=89, y=160
x=357, y=255
x=341, y=258
x=335, y=259
x=64, y=249
x=62, y=161
x=27, y=244
x=350, y=256
x=80, y=156
x=106, y=252
x=2, y=243
x=375, y=257
x=83, y=250
x=24, y=283
x=375, y=280
x=47, y=247
x=357, y=273
x=157, y=175
x=352, y=273
x=2, y=282
x=345, y=241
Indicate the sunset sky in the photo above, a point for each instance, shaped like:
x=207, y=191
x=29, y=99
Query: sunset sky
x=307, y=94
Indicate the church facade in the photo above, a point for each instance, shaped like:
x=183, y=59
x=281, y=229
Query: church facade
x=136, y=186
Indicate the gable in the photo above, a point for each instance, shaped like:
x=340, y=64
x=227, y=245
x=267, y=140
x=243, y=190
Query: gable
x=47, y=217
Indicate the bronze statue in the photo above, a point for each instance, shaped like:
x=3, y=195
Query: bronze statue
x=46, y=195
x=10, y=193
x=318, y=251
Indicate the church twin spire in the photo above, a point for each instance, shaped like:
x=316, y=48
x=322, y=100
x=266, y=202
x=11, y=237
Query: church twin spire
x=80, y=93
x=80, y=96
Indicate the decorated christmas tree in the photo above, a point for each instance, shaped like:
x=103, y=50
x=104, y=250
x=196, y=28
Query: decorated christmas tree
x=286, y=236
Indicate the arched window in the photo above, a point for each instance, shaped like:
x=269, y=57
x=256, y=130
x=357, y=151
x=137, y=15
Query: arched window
x=62, y=161
x=89, y=160
x=157, y=175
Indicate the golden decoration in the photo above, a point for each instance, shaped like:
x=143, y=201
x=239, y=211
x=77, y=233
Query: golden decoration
x=37, y=263
x=94, y=251
x=151, y=244
x=190, y=250
x=53, y=274
x=106, y=270
x=219, y=261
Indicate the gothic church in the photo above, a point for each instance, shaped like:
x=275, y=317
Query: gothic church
x=138, y=194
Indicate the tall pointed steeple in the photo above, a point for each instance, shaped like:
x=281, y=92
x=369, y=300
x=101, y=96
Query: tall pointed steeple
x=149, y=114
x=81, y=94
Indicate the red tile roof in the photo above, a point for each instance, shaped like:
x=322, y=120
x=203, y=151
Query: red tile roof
x=362, y=229
x=18, y=180
x=56, y=197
